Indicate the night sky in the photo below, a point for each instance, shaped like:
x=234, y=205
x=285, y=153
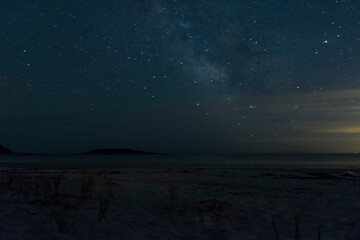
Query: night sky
x=180, y=76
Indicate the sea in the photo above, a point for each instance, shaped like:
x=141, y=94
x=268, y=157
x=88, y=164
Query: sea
x=178, y=161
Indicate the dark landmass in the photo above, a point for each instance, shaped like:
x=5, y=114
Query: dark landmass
x=5, y=151
x=32, y=154
x=101, y=151
x=116, y=151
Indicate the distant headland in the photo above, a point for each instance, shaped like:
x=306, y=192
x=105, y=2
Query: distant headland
x=5, y=151
x=101, y=151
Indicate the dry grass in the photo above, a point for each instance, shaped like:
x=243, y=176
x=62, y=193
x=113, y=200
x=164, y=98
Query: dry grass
x=277, y=237
x=87, y=185
x=319, y=233
x=297, y=221
x=351, y=228
x=62, y=217
x=104, y=202
x=4, y=184
x=56, y=181
x=172, y=191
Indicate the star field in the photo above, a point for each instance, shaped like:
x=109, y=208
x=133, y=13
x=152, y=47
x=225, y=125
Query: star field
x=180, y=76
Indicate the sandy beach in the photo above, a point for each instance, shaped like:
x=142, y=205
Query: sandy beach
x=179, y=204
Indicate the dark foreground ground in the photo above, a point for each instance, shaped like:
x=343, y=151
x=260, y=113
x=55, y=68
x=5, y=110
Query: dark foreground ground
x=179, y=204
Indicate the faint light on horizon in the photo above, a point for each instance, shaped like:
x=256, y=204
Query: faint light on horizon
x=348, y=130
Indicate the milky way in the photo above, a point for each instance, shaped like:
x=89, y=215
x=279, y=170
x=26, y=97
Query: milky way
x=180, y=76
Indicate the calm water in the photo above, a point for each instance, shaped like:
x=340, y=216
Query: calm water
x=340, y=161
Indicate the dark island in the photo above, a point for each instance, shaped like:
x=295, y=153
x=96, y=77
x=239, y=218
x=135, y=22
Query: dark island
x=116, y=151
x=5, y=151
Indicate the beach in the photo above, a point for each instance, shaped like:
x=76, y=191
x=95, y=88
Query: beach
x=179, y=203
